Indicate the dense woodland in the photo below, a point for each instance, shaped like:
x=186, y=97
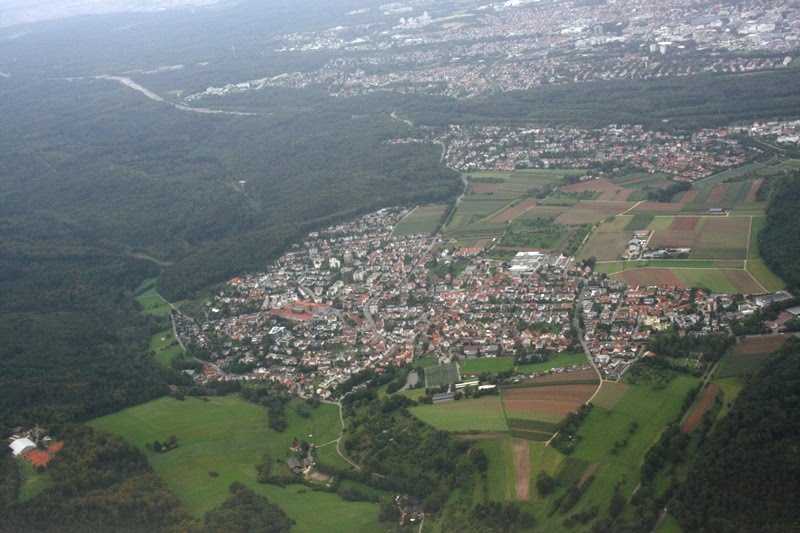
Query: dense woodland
x=779, y=241
x=747, y=475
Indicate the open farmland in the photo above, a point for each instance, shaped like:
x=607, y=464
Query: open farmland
x=609, y=394
x=652, y=409
x=701, y=406
x=150, y=301
x=748, y=355
x=500, y=477
x=422, y=220
x=480, y=414
x=547, y=404
x=229, y=436
x=590, y=212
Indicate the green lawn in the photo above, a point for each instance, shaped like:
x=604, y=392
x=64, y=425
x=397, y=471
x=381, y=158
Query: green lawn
x=481, y=414
x=556, y=361
x=229, y=436
x=491, y=365
x=32, y=481
x=500, y=476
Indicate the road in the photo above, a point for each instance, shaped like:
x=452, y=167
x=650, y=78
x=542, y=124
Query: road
x=576, y=323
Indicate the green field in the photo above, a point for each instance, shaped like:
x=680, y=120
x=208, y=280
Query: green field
x=500, y=476
x=736, y=365
x=422, y=220
x=229, y=436
x=441, y=375
x=150, y=301
x=491, y=365
x=33, y=482
x=481, y=414
x=165, y=347
x=652, y=409
x=555, y=361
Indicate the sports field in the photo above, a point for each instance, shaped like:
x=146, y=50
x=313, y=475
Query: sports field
x=422, y=220
x=480, y=414
x=441, y=375
x=229, y=436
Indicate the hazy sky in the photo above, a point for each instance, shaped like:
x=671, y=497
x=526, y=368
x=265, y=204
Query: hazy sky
x=21, y=11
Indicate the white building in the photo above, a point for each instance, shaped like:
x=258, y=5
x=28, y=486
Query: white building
x=20, y=446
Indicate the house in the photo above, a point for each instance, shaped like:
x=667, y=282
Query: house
x=21, y=446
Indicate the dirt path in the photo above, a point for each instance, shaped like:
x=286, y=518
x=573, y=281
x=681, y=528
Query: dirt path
x=522, y=468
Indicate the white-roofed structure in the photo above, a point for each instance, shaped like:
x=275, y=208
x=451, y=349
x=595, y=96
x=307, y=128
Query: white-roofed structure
x=20, y=446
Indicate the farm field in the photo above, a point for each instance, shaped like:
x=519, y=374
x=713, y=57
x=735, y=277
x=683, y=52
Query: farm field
x=165, y=347
x=556, y=361
x=422, y=220
x=491, y=365
x=229, y=436
x=748, y=355
x=609, y=394
x=480, y=414
x=652, y=410
x=591, y=212
x=441, y=375
x=33, y=482
x=546, y=404
x=500, y=477
x=700, y=407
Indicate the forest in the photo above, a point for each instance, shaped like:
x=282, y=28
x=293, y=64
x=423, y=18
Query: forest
x=779, y=241
x=746, y=477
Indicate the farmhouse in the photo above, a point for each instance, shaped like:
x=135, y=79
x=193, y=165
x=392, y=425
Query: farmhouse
x=21, y=446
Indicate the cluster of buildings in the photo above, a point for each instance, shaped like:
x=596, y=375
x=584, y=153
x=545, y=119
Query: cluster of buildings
x=619, y=320
x=686, y=157
x=465, y=51
x=34, y=446
x=353, y=297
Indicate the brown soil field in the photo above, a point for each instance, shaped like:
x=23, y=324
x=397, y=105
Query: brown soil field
x=483, y=188
x=759, y=344
x=650, y=276
x=684, y=223
x=701, y=407
x=555, y=400
x=751, y=194
x=522, y=468
x=623, y=195
x=598, y=185
x=717, y=193
x=742, y=280
x=513, y=212
x=726, y=225
x=689, y=196
x=478, y=436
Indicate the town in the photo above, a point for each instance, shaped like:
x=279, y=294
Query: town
x=429, y=47
x=353, y=297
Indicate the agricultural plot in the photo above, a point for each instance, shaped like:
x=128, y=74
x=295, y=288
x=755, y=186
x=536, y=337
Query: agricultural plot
x=481, y=414
x=534, y=234
x=748, y=355
x=602, y=429
x=500, y=477
x=229, y=436
x=609, y=240
x=609, y=394
x=715, y=280
x=542, y=212
x=438, y=375
x=473, y=367
x=515, y=211
x=701, y=406
x=422, y=220
x=590, y=212
x=545, y=403
x=556, y=361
